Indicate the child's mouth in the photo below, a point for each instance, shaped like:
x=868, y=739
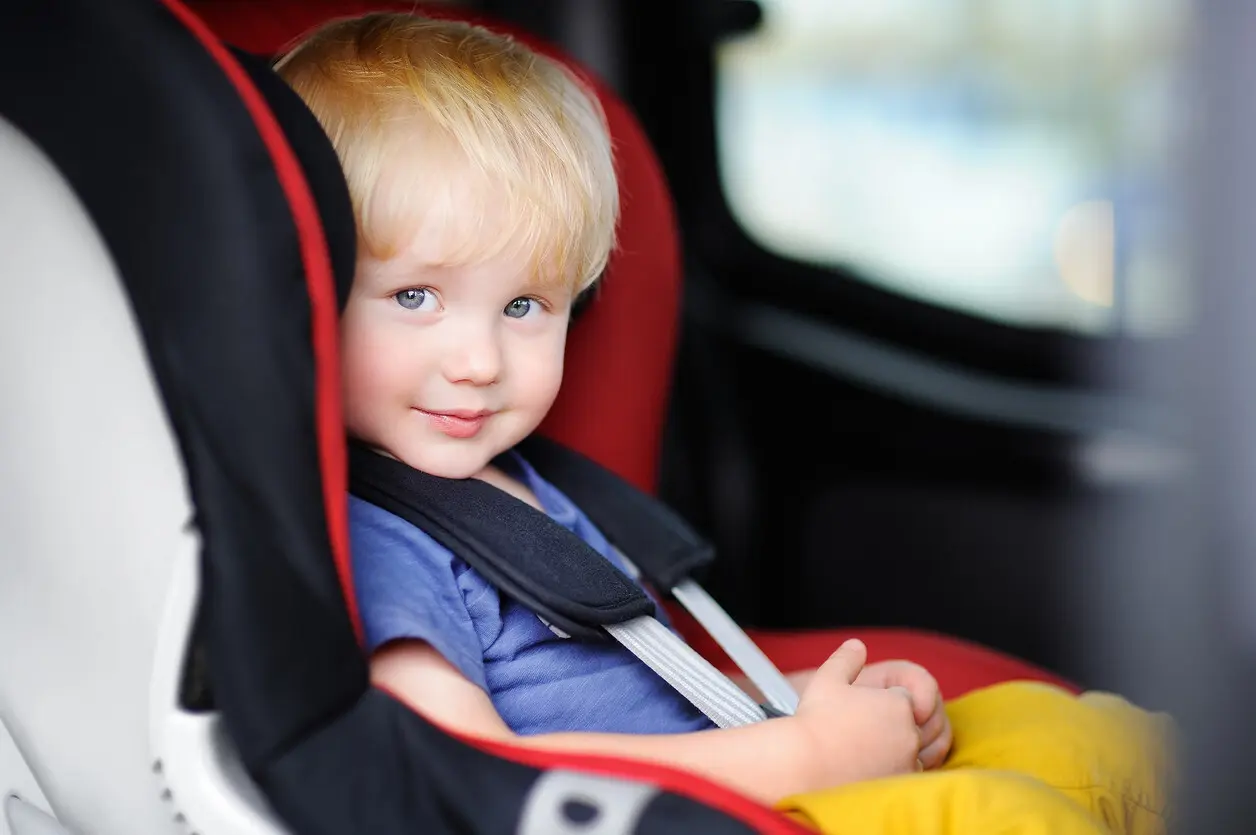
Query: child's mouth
x=458, y=423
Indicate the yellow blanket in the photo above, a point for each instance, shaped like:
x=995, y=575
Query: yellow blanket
x=1028, y=758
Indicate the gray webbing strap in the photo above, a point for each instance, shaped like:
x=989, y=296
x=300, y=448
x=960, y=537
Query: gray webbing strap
x=757, y=667
x=723, y=702
x=776, y=689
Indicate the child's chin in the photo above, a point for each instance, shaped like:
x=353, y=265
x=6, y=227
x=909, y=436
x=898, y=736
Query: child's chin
x=461, y=466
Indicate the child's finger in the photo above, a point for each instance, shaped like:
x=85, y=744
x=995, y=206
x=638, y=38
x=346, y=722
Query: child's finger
x=933, y=726
x=846, y=662
x=926, y=700
x=904, y=692
x=933, y=754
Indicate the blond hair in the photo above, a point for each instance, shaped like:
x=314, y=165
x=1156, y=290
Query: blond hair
x=466, y=134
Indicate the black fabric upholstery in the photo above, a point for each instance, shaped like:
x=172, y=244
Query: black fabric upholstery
x=318, y=161
x=382, y=770
x=331, y=194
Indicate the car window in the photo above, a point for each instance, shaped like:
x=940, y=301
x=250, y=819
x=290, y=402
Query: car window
x=1008, y=159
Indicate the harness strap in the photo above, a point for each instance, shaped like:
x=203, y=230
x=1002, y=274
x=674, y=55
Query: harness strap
x=666, y=549
x=765, y=675
x=530, y=557
x=691, y=675
x=782, y=700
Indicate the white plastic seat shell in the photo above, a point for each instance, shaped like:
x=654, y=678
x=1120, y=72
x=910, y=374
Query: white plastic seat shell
x=98, y=557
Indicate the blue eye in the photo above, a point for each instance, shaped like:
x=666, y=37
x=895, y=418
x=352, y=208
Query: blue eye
x=411, y=299
x=519, y=308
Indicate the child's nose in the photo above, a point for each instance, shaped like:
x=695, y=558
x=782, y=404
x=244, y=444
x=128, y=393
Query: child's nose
x=478, y=360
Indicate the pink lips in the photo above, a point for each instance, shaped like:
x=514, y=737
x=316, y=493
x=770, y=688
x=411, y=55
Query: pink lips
x=457, y=423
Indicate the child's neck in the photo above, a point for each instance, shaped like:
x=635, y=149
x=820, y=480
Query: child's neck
x=503, y=481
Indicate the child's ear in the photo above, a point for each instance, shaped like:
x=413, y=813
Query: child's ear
x=586, y=297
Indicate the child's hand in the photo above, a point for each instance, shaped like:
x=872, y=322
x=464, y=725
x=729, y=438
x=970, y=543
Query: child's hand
x=926, y=699
x=855, y=732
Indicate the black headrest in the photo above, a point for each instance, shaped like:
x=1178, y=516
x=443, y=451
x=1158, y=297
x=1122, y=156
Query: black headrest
x=319, y=162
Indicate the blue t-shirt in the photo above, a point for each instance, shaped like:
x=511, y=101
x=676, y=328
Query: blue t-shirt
x=410, y=586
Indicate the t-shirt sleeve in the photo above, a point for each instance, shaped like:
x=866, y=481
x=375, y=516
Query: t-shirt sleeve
x=411, y=587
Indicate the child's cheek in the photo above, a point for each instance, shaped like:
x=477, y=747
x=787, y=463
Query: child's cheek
x=366, y=382
x=549, y=372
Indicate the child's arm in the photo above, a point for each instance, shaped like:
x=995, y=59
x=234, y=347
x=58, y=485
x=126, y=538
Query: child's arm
x=840, y=734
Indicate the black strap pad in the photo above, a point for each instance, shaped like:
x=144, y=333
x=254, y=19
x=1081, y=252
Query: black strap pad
x=521, y=551
x=654, y=537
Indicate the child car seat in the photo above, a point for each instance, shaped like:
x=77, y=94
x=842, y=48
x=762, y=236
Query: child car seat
x=174, y=467
x=621, y=351
x=173, y=483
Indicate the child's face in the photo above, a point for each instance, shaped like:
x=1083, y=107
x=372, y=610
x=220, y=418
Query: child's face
x=445, y=367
